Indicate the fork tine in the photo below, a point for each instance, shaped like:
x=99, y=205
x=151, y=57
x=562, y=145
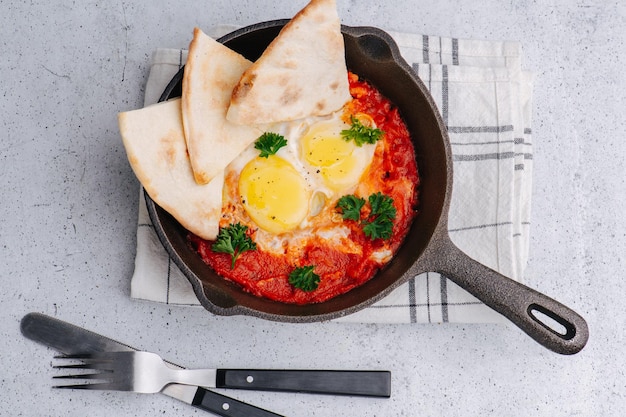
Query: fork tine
x=98, y=361
x=106, y=386
x=93, y=365
x=74, y=366
x=88, y=357
x=75, y=356
x=82, y=376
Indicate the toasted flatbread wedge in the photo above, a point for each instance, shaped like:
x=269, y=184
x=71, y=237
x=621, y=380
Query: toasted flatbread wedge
x=211, y=72
x=301, y=73
x=156, y=149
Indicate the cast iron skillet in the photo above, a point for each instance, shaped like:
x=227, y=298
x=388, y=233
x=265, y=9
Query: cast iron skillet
x=373, y=55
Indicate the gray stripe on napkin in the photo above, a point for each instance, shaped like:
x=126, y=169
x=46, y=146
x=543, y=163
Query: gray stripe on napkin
x=444, y=95
x=487, y=142
x=444, y=299
x=480, y=129
x=430, y=320
x=455, y=51
x=169, y=279
x=480, y=226
x=412, y=301
x=483, y=157
x=440, y=52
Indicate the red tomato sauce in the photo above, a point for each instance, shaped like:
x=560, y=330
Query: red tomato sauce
x=393, y=172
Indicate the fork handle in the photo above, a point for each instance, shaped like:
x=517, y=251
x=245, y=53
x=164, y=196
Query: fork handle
x=360, y=383
x=227, y=407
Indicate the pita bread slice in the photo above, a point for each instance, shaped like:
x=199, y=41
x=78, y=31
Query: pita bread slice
x=156, y=149
x=211, y=72
x=301, y=73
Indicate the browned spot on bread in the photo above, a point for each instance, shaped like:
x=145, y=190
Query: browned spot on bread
x=290, y=95
x=243, y=88
x=168, y=148
x=291, y=64
x=283, y=81
x=201, y=178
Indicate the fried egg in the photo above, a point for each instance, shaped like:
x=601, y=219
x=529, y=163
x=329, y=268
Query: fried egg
x=339, y=162
x=287, y=195
x=273, y=193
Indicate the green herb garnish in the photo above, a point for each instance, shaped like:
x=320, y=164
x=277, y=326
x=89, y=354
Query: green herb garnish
x=360, y=133
x=379, y=222
x=233, y=240
x=269, y=143
x=304, y=278
x=381, y=227
x=350, y=207
x=382, y=205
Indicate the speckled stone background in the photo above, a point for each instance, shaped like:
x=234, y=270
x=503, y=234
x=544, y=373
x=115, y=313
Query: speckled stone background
x=69, y=205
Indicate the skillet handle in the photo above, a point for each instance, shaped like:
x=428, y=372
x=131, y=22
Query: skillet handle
x=549, y=322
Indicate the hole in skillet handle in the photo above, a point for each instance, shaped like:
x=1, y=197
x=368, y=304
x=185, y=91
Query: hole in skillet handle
x=552, y=321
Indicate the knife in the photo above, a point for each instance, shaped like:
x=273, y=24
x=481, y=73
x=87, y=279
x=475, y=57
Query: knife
x=70, y=339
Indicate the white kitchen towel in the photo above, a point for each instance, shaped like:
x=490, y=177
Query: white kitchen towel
x=485, y=100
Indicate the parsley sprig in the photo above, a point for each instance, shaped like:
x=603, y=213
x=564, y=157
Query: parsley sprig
x=360, y=133
x=234, y=240
x=304, y=278
x=379, y=223
x=350, y=207
x=269, y=143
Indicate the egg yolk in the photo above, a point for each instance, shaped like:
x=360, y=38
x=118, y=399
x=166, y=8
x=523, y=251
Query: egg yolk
x=340, y=163
x=274, y=194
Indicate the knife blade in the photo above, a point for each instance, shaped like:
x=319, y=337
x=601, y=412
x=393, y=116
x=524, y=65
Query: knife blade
x=70, y=339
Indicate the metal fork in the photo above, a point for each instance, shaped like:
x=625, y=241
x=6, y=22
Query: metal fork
x=147, y=373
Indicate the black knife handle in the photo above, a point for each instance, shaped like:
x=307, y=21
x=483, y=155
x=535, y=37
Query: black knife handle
x=224, y=406
x=361, y=383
